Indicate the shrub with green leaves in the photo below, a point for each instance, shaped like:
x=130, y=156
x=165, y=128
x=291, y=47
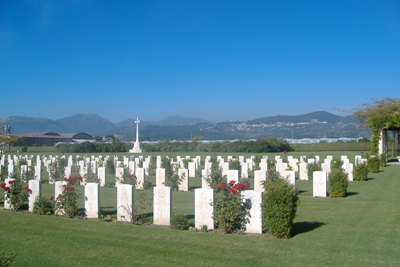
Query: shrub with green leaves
x=382, y=160
x=311, y=168
x=361, y=172
x=180, y=221
x=279, y=207
x=373, y=164
x=337, y=183
x=6, y=259
x=43, y=206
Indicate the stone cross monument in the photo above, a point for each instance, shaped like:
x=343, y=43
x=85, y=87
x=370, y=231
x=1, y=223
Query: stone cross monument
x=136, y=145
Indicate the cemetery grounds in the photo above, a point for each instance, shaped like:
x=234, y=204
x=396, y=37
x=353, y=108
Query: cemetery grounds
x=361, y=229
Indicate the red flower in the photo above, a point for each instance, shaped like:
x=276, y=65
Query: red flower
x=6, y=188
x=69, y=188
x=270, y=171
x=233, y=191
x=27, y=189
x=232, y=182
x=2, y=185
x=222, y=186
x=60, y=196
x=51, y=198
x=11, y=182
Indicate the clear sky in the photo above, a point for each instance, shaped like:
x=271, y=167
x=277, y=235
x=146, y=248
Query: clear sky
x=217, y=60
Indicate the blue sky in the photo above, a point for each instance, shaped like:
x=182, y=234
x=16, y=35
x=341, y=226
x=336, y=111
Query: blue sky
x=217, y=60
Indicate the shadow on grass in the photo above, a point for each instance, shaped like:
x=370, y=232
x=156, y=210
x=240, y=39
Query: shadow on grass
x=349, y=194
x=304, y=227
x=302, y=191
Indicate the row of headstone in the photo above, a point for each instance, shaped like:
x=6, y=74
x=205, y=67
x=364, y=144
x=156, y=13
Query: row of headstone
x=162, y=204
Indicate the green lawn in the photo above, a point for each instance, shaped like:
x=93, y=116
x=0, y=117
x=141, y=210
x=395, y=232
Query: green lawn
x=362, y=229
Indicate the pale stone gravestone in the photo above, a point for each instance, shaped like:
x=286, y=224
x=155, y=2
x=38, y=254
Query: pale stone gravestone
x=326, y=167
x=245, y=170
x=92, y=200
x=205, y=174
x=119, y=174
x=101, y=174
x=259, y=177
x=319, y=184
x=131, y=166
x=24, y=169
x=289, y=176
x=124, y=202
x=10, y=170
x=348, y=169
x=58, y=190
x=7, y=204
x=225, y=168
x=140, y=177
x=38, y=172
x=250, y=163
x=192, y=169
x=357, y=160
x=160, y=177
x=36, y=189
x=67, y=171
x=263, y=166
x=184, y=185
x=203, y=198
x=233, y=175
x=162, y=205
x=146, y=167
x=303, y=171
x=254, y=224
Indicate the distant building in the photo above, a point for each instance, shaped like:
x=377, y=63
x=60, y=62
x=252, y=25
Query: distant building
x=51, y=139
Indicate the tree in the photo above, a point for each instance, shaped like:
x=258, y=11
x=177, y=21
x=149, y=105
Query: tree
x=11, y=140
x=384, y=114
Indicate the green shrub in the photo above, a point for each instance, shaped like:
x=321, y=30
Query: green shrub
x=7, y=259
x=337, y=183
x=230, y=213
x=180, y=221
x=311, y=168
x=373, y=164
x=43, y=206
x=382, y=160
x=279, y=207
x=336, y=164
x=361, y=172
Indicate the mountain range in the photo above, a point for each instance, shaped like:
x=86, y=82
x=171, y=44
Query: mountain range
x=312, y=125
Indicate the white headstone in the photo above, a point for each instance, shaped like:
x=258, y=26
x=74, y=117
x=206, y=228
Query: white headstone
x=192, y=169
x=140, y=178
x=162, y=205
x=58, y=190
x=348, y=169
x=36, y=189
x=259, y=177
x=184, y=185
x=290, y=176
x=233, y=175
x=319, y=184
x=203, y=208
x=124, y=202
x=205, y=174
x=303, y=171
x=160, y=177
x=92, y=200
x=254, y=224
x=101, y=173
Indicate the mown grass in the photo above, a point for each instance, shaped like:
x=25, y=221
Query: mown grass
x=362, y=229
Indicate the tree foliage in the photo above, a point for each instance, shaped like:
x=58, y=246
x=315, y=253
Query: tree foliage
x=383, y=114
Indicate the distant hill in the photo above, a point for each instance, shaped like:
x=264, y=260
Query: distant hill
x=88, y=123
x=33, y=125
x=312, y=125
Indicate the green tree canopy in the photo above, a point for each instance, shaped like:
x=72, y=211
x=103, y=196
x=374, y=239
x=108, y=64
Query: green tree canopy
x=383, y=114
